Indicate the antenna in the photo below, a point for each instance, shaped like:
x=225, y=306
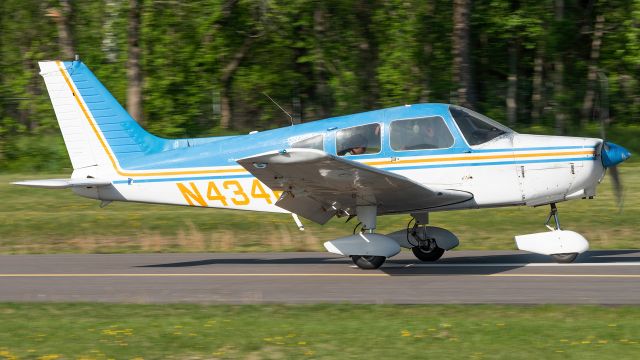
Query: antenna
x=280, y=107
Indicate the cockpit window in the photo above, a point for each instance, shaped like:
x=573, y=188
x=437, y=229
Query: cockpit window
x=314, y=142
x=417, y=134
x=358, y=140
x=476, y=128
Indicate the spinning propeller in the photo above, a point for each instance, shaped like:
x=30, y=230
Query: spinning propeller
x=611, y=155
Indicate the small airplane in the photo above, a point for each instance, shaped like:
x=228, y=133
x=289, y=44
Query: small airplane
x=412, y=159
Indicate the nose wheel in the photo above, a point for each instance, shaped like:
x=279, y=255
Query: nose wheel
x=562, y=258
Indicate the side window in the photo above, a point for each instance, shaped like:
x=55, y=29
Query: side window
x=314, y=142
x=418, y=134
x=358, y=140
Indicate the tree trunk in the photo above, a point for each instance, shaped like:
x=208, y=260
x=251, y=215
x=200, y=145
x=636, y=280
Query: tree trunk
x=226, y=80
x=134, y=72
x=596, y=42
x=61, y=18
x=537, y=102
x=558, y=77
x=368, y=54
x=460, y=49
x=109, y=37
x=512, y=87
x=323, y=97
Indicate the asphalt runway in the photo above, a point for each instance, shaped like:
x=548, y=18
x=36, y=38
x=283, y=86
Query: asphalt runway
x=504, y=277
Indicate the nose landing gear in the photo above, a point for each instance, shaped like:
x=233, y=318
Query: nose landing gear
x=562, y=245
x=563, y=257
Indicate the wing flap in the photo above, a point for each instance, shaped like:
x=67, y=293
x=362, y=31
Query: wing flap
x=317, y=185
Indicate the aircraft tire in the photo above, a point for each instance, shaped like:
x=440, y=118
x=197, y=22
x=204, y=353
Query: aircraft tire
x=564, y=258
x=368, y=262
x=430, y=255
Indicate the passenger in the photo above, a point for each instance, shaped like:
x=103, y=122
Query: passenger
x=429, y=136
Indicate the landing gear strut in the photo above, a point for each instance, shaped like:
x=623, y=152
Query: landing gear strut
x=562, y=257
x=426, y=248
x=367, y=216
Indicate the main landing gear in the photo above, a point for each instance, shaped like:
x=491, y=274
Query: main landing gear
x=425, y=247
x=367, y=249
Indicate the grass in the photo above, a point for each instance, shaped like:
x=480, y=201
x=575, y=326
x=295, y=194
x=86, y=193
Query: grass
x=56, y=221
x=102, y=331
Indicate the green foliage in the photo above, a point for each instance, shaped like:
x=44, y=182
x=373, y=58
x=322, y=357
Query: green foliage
x=315, y=58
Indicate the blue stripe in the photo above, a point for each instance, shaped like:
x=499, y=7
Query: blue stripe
x=508, y=162
x=136, y=181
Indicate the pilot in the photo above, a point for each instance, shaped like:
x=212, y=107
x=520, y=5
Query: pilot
x=356, y=145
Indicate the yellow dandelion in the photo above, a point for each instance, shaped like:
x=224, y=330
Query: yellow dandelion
x=302, y=343
x=405, y=333
x=49, y=357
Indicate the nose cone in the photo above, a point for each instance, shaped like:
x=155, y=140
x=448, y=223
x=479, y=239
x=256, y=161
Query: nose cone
x=613, y=154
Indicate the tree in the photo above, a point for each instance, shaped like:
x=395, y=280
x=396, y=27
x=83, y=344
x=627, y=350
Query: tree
x=61, y=16
x=134, y=71
x=558, y=70
x=592, y=75
x=463, y=93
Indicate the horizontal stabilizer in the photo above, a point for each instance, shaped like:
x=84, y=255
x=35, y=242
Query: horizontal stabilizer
x=63, y=183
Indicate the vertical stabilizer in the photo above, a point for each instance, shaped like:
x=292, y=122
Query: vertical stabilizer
x=76, y=131
x=97, y=130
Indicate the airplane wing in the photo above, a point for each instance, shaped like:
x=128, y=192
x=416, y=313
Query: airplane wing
x=318, y=185
x=62, y=183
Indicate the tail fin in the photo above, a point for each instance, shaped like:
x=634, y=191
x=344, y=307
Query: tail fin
x=97, y=130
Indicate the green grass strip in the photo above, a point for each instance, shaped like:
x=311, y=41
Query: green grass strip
x=57, y=221
x=109, y=331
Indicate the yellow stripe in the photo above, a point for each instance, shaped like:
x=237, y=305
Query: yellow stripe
x=385, y=162
x=197, y=275
x=631, y=276
x=363, y=274
x=481, y=157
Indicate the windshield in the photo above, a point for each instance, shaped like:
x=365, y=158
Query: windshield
x=477, y=128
